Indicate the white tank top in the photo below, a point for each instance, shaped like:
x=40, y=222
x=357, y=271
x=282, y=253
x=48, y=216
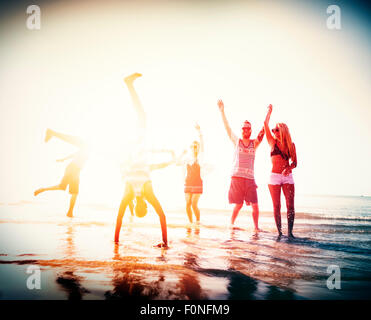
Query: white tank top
x=137, y=173
x=243, y=161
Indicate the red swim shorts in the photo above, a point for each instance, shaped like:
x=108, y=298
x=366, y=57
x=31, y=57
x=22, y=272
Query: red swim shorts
x=241, y=190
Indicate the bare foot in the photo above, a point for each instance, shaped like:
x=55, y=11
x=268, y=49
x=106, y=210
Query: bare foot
x=255, y=236
x=38, y=191
x=234, y=228
x=48, y=135
x=132, y=77
x=189, y=224
x=69, y=215
x=256, y=230
x=161, y=245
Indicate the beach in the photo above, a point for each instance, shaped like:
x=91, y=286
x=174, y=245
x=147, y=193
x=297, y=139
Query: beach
x=78, y=258
x=214, y=103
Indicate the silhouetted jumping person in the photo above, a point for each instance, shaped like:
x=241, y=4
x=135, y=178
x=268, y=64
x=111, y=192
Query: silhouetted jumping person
x=71, y=176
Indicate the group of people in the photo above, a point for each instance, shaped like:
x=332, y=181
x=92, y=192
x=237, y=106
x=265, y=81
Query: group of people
x=138, y=187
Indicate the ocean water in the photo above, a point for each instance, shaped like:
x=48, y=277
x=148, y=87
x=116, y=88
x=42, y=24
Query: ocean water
x=79, y=260
x=352, y=207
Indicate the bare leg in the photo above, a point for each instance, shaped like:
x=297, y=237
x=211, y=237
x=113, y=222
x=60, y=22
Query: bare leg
x=72, y=205
x=128, y=197
x=289, y=192
x=275, y=191
x=196, y=210
x=131, y=207
x=64, y=137
x=48, y=135
x=188, y=197
x=151, y=198
x=236, y=210
x=41, y=190
x=255, y=215
x=135, y=99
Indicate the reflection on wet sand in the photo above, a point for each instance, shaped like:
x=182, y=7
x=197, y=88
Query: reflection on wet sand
x=189, y=283
x=152, y=281
x=203, y=261
x=240, y=263
x=69, y=282
x=129, y=284
x=155, y=283
x=207, y=261
x=240, y=286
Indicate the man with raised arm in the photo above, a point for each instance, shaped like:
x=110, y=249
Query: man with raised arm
x=243, y=186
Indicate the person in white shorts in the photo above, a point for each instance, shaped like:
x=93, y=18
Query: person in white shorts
x=283, y=150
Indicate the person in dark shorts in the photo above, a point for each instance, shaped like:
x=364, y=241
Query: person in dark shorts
x=193, y=186
x=71, y=176
x=243, y=186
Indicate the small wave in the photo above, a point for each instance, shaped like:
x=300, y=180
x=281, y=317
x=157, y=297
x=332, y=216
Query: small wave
x=342, y=228
x=317, y=216
x=331, y=246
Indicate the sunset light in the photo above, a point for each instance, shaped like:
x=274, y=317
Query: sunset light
x=185, y=150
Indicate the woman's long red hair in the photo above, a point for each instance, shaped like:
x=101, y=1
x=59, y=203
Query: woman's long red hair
x=285, y=139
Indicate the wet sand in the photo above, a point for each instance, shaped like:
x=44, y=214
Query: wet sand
x=79, y=259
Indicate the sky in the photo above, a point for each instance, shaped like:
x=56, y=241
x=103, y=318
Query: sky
x=69, y=76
